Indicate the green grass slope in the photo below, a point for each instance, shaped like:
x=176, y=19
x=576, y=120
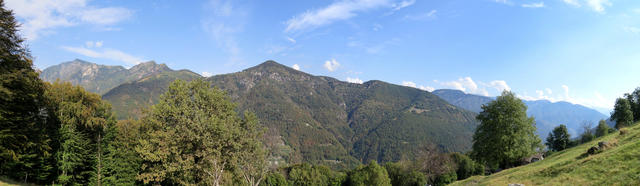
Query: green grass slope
x=619, y=165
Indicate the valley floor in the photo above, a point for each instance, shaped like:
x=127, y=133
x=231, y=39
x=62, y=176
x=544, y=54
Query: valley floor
x=619, y=165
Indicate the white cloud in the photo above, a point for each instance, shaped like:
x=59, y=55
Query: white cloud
x=91, y=44
x=499, y=85
x=424, y=16
x=631, y=29
x=597, y=101
x=340, y=10
x=533, y=5
x=598, y=5
x=331, y=65
x=222, y=21
x=465, y=84
x=107, y=53
x=377, y=27
x=206, y=74
x=39, y=17
x=291, y=40
x=296, y=66
x=414, y=85
x=503, y=2
x=354, y=80
x=572, y=2
x=403, y=4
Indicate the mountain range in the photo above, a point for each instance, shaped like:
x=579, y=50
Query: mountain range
x=547, y=114
x=317, y=119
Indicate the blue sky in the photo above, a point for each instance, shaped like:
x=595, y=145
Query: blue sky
x=581, y=51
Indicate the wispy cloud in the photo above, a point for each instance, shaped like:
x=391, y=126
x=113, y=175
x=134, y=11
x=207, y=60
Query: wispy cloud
x=403, y=4
x=223, y=20
x=596, y=101
x=95, y=50
x=340, y=10
x=598, y=5
x=331, y=65
x=632, y=29
x=414, y=85
x=423, y=16
x=533, y=5
x=572, y=2
x=354, y=80
x=40, y=17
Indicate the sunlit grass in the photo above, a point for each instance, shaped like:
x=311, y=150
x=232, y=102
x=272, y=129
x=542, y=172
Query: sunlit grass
x=619, y=165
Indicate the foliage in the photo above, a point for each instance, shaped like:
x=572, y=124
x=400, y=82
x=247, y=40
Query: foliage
x=122, y=163
x=402, y=174
x=25, y=136
x=602, y=129
x=465, y=166
x=372, y=174
x=587, y=133
x=505, y=134
x=559, y=139
x=433, y=163
x=622, y=114
x=275, y=179
x=192, y=136
x=321, y=120
x=316, y=175
x=84, y=119
x=618, y=165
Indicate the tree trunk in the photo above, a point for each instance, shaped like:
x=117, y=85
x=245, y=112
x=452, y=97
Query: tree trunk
x=99, y=160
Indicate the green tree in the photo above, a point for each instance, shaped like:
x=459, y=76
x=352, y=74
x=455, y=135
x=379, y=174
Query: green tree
x=587, y=132
x=26, y=147
x=84, y=119
x=316, y=175
x=505, y=134
x=402, y=174
x=622, y=114
x=192, y=136
x=559, y=138
x=122, y=163
x=465, y=166
x=372, y=174
x=634, y=102
x=252, y=158
x=602, y=129
x=275, y=179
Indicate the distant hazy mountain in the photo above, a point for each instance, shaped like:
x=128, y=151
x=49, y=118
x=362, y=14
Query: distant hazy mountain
x=547, y=114
x=327, y=121
x=99, y=78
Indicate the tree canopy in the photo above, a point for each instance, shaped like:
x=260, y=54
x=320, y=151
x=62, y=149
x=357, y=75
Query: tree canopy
x=505, y=134
x=559, y=139
x=622, y=114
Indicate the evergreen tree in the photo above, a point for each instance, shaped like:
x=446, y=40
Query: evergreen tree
x=505, y=134
x=622, y=114
x=192, y=136
x=25, y=137
x=558, y=139
x=122, y=163
x=83, y=118
x=602, y=129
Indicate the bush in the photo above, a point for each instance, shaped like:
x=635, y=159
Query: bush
x=370, y=175
x=446, y=178
x=401, y=175
x=275, y=179
x=466, y=167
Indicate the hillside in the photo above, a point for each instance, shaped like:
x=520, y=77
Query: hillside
x=547, y=114
x=130, y=98
x=619, y=165
x=326, y=121
x=99, y=78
